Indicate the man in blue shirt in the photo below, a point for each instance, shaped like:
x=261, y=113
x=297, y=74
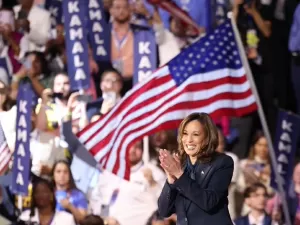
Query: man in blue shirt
x=294, y=47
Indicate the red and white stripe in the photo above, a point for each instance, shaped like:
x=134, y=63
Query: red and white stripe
x=158, y=104
x=5, y=156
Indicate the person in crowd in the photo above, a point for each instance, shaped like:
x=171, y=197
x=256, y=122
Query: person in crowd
x=5, y=102
x=56, y=51
x=34, y=21
x=122, y=41
x=155, y=219
x=84, y=166
x=165, y=139
x=138, y=196
x=275, y=203
x=294, y=47
x=92, y=220
x=68, y=197
x=57, y=57
x=54, y=106
x=198, y=178
x=44, y=148
x=111, y=86
x=43, y=207
x=122, y=53
x=35, y=69
x=222, y=148
x=256, y=198
x=257, y=167
x=97, y=220
x=14, y=43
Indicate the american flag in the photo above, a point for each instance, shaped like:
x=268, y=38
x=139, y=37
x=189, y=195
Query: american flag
x=5, y=153
x=206, y=77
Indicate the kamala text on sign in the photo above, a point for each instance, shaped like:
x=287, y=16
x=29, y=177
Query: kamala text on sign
x=285, y=146
x=76, y=43
x=21, y=166
x=98, y=29
x=145, y=52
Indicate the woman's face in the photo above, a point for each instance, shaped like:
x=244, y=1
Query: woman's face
x=192, y=138
x=43, y=196
x=3, y=94
x=261, y=148
x=61, y=174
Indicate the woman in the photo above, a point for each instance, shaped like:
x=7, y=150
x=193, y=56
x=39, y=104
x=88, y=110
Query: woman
x=42, y=210
x=257, y=167
x=198, y=177
x=68, y=197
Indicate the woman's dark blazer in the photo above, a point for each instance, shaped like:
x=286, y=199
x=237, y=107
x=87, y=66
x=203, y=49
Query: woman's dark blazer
x=202, y=201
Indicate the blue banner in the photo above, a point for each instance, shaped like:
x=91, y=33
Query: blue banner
x=285, y=146
x=21, y=166
x=98, y=28
x=222, y=8
x=76, y=43
x=55, y=9
x=145, y=54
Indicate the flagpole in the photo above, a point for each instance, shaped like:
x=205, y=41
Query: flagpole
x=146, y=154
x=262, y=117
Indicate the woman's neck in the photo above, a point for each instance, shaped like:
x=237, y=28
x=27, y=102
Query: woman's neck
x=61, y=187
x=260, y=160
x=193, y=160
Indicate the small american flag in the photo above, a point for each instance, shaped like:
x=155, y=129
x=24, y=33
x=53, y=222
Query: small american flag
x=206, y=77
x=5, y=153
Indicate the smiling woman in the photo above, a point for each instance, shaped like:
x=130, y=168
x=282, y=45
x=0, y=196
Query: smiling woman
x=198, y=138
x=198, y=177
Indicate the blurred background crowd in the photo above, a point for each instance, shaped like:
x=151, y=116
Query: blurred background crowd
x=33, y=49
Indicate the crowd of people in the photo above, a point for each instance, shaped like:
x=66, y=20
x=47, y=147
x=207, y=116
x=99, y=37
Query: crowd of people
x=63, y=192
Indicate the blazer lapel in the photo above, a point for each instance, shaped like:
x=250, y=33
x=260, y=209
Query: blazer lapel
x=202, y=173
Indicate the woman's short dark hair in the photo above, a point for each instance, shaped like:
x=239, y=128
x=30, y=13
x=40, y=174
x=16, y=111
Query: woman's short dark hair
x=72, y=184
x=210, y=142
x=92, y=220
x=35, y=183
x=253, y=188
